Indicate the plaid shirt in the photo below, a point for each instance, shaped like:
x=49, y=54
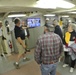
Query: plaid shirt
x=49, y=48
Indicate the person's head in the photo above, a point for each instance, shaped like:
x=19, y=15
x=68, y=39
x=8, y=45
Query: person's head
x=23, y=23
x=0, y=24
x=55, y=22
x=48, y=28
x=47, y=19
x=71, y=27
x=17, y=21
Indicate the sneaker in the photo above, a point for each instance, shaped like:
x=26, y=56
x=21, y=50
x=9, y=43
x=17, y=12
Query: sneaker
x=26, y=59
x=28, y=50
x=65, y=65
x=5, y=52
x=1, y=55
x=71, y=69
x=25, y=52
x=16, y=65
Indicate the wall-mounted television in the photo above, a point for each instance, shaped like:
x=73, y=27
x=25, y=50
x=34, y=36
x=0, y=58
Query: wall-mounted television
x=33, y=22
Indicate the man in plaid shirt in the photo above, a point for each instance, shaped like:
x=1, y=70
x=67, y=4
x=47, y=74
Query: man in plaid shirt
x=48, y=50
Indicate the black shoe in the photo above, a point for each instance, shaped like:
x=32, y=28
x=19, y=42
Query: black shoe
x=16, y=65
x=25, y=52
x=1, y=55
x=5, y=52
x=12, y=52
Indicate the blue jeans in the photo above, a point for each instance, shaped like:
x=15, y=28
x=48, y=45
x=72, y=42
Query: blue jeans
x=48, y=69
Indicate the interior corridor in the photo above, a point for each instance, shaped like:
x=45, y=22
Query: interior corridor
x=27, y=67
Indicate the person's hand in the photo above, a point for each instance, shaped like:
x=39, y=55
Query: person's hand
x=24, y=46
x=66, y=45
x=39, y=64
x=28, y=26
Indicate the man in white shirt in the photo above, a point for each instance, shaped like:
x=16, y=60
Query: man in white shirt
x=27, y=34
x=2, y=45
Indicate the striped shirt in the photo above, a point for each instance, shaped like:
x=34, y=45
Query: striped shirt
x=48, y=48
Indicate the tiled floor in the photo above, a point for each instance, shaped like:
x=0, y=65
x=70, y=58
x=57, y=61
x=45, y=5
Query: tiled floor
x=6, y=64
x=65, y=71
x=27, y=68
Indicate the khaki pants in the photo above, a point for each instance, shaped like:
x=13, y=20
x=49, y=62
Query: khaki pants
x=21, y=50
x=27, y=42
x=2, y=45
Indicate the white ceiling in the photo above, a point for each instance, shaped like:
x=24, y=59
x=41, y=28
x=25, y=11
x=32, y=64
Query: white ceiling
x=27, y=6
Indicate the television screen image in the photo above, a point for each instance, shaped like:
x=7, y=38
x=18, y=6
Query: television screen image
x=33, y=22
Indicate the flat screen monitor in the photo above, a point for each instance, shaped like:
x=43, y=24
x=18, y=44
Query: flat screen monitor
x=33, y=22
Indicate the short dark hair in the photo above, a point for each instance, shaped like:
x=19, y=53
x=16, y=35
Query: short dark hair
x=16, y=20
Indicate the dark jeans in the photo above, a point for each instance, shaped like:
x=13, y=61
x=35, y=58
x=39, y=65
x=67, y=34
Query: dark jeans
x=73, y=63
x=68, y=60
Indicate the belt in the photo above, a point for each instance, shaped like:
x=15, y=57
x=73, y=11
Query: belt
x=52, y=62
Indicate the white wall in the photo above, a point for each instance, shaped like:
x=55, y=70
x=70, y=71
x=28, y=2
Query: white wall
x=8, y=36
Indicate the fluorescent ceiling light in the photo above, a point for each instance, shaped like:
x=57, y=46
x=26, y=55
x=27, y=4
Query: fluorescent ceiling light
x=65, y=4
x=54, y=4
x=73, y=12
x=49, y=15
x=46, y=4
x=65, y=16
x=17, y=15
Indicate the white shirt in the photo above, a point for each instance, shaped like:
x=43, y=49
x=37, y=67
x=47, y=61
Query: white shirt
x=1, y=31
x=25, y=32
x=67, y=49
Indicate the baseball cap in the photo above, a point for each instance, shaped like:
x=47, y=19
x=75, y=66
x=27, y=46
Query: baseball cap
x=50, y=27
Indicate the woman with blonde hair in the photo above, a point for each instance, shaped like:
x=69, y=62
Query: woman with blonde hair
x=69, y=38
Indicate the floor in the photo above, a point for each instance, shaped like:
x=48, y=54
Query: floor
x=28, y=67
